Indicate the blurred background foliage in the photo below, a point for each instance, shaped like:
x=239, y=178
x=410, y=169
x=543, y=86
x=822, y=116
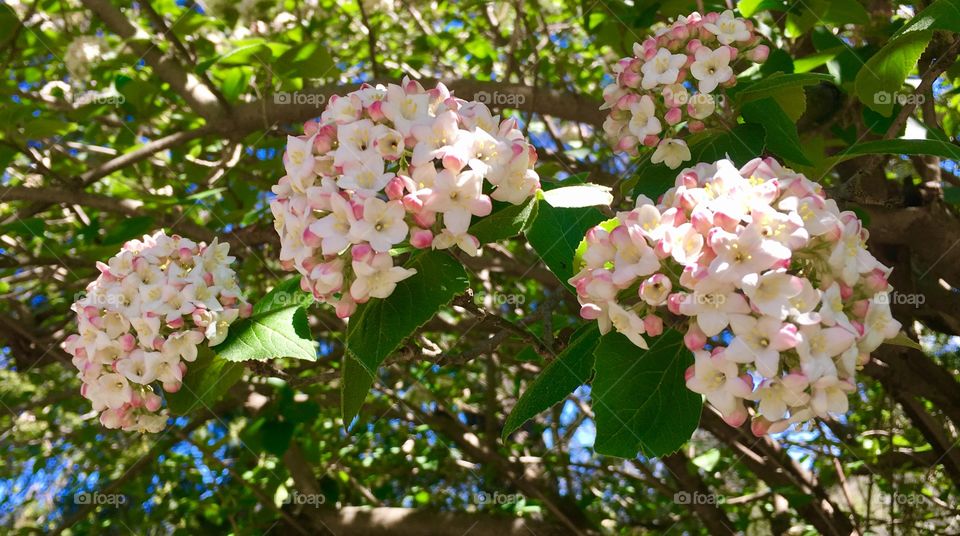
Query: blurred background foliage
x=120, y=118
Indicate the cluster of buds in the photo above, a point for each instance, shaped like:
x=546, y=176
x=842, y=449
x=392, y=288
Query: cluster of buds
x=387, y=167
x=675, y=80
x=143, y=319
x=772, y=284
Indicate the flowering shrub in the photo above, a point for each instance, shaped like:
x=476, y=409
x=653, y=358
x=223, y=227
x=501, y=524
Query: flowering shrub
x=386, y=167
x=674, y=79
x=142, y=320
x=778, y=297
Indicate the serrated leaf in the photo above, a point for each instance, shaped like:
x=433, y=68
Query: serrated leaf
x=277, y=328
x=882, y=76
x=570, y=369
x=641, y=400
x=886, y=70
x=378, y=327
x=207, y=379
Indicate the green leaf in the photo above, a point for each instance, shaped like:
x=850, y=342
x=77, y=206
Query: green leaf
x=207, y=379
x=45, y=128
x=555, y=234
x=128, y=228
x=951, y=194
x=777, y=82
x=741, y=144
x=276, y=436
x=811, y=62
x=641, y=400
x=781, y=133
x=748, y=8
x=246, y=52
x=309, y=60
x=884, y=73
x=802, y=18
x=505, y=223
x=902, y=340
x=357, y=381
x=708, y=460
x=28, y=227
x=570, y=369
x=235, y=81
x=900, y=147
x=846, y=12
x=652, y=180
x=378, y=327
x=277, y=328
x=793, y=102
x=882, y=76
x=940, y=15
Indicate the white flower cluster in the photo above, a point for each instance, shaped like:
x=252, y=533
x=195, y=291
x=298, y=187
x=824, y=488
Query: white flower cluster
x=386, y=166
x=779, y=298
x=650, y=94
x=142, y=320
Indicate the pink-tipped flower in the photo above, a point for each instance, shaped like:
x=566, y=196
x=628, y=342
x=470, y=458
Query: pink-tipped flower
x=694, y=339
x=395, y=188
x=653, y=325
x=673, y=116
x=758, y=54
x=421, y=238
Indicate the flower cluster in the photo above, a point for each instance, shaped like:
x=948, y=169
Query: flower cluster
x=673, y=80
x=778, y=297
x=385, y=167
x=142, y=320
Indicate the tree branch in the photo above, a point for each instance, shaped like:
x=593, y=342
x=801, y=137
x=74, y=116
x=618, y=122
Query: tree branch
x=201, y=98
